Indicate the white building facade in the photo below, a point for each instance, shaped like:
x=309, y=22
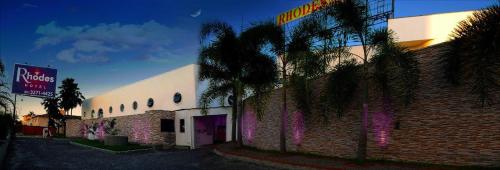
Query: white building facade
x=176, y=91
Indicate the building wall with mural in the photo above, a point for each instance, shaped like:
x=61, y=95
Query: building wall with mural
x=444, y=125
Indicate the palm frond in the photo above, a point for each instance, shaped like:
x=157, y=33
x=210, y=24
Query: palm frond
x=473, y=56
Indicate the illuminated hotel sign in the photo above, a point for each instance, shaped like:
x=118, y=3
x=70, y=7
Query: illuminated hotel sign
x=34, y=81
x=301, y=11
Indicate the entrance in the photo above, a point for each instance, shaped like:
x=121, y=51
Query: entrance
x=209, y=129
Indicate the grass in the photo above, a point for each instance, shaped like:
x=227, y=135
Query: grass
x=99, y=144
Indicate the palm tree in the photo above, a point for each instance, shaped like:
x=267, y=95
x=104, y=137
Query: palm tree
x=233, y=64
x=396, y=71
x=70, y=95
x=352, y=16
x=51, y=106
x=5, y=99
x=472, y=56
x=267, y=33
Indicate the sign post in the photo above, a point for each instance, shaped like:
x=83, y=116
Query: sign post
x=34, y=81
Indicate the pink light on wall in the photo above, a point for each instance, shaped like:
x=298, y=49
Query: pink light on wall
x=298, y=127
x=141, y=129
x=248, y=126
x=381, y=122
x=100, y=130
x=84, y=129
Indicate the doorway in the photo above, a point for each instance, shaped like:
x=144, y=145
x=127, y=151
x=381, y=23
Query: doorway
x=209, y=129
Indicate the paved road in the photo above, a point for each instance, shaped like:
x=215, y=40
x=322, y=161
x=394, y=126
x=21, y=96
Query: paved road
x=32, y=153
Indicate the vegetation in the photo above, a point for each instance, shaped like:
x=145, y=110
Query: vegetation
x=473, y=57
x=234, y=65
x=4, y=92
x=51, y=106
x=99, y=144
x=70, y=95
x=6, y=123
x=341, y=85
x=314, y=47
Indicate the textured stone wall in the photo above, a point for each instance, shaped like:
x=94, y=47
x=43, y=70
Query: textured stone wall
x=74, y=128
x=141, y=128
x=444, y=125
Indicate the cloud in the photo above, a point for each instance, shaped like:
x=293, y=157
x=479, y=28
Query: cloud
x=96, y=43
x=196, y=13
x=28, y=5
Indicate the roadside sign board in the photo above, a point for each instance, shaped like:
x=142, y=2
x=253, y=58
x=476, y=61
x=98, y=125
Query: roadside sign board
x=34, y=81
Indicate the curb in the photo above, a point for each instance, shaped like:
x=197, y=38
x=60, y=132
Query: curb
x=270, y=163
x=109, y=151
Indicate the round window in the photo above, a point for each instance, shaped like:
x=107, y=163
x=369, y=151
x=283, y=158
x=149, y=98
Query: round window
x=230, y=100
x=122, y=107
x=110, y=109
x=151, y=102
x=177, y=97
x=100, y=113
x=134, y=105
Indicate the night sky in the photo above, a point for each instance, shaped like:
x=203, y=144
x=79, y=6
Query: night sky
x=108, y=44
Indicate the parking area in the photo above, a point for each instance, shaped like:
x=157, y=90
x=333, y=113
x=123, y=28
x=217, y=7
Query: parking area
x=35, y=153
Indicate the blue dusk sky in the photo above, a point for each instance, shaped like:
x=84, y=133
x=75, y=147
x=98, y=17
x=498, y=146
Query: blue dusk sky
x=111, y=43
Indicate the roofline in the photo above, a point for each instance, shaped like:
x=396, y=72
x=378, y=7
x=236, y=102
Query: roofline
x=435, y=14
x=147, y=78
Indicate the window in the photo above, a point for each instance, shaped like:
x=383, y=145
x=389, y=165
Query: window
x=181, y=126
x=177, y=97
x=134, y=105
x=110, y=109
x=92, y=114
x=151, y=102
x=84, y=114
x=167, y=125
x=100, y=113
x=122, y=107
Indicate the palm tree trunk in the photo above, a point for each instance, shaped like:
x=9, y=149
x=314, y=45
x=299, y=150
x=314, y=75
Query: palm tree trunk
x=284, y=113
x=361, y=154
x=64, y=123
x=234, y=115
x=240, y=114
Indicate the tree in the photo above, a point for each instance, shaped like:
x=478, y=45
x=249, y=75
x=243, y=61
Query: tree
x=69, y=98
x=233, y=64
x=5, y=99
x=473, y=54
x=51, y=106
x=393, y=64
x=70, y=95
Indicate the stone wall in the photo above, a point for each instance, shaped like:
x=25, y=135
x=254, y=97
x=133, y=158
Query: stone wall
x=141, y=128
x=74, y=128
x=444, y=125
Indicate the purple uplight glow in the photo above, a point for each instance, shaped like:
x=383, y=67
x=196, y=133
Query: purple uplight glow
x=298, y=127
x=381, y=122
x=84, y=129
x=249, y=125
x=101, y=131
x=141, y=128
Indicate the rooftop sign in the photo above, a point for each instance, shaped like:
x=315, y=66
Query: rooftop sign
x=301, y=11
x=34, y=81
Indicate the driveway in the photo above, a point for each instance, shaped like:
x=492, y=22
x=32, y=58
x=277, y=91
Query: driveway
x=35, y=153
